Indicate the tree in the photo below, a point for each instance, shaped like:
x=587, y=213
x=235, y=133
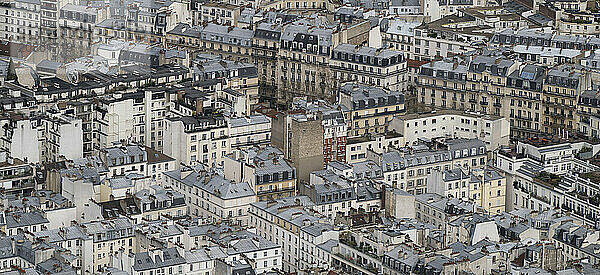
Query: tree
x=12, y=72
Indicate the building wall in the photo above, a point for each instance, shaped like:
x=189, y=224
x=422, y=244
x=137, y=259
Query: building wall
x=71, y=140
x=306, y=147
x=24, y=142
x=117, y=124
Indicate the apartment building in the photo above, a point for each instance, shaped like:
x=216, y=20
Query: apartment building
x=74, y=239
x=562, y=86
x=540, y=37
x=210, y=196
x=265, y=45
x=404, y=7
x=135, y=116
x=359, y=148
x=21, y=22
x=407, y=169
x=249, y=131
x=535, y=167
x=439, y=39
x=295, y=6
x=548, y=56
x=157, y=202
x=20, y=138
x=227, y=42
x=230, y=43
x=271, y=176
x=335, y=196
x=331, y=193
x=290, y=223
x=110, y=237
x=125, y=159
x=192, y=140
x=16, y=176
x=300, y=136
x=486, y=187
x=576, y=243
x=219, y=13
x=59, y=136
x=471, y=229
x=84, y=110
x=400, y=35
x=49, y=11
x=437, y=9
x=368, y=110
x=240, y=77
x=335, y=134
x=304, y=55
x=438, y=210
x=588, y=110
x=493, y=84
x=141, y=21
x=76, y=30
x=167, y=260
x=266, y=255
x=493, y=130
x=368, y=66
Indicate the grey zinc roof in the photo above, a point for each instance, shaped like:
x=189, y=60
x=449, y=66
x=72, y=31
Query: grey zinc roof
x=226, y=34
x=292, y=31
x=460, y=144
x=81, y=9
x=357, y=91
x=186, y=30
x=104, y=226
x=367, y=167
x=392, y=161
x=329, y=245
x=244, y=242
x=284, y=203
x=210, y=230
x=20, y=219
x=445, y=65
x=405, y=3
x=402, y=27
x=170, y=257
x=440, y=203
x=122, y=154
x=454, y=174
x=62, y=234
x=249, y=120
x=217, y=68
x=120, y=183
x=366, y=51
x=404, y=255
x=205, y=254
x=48, y=65
x=276, y=164
x=333, y=181
x=338, y=165
x=214, y=184
x=316, y=229
x=34, y=2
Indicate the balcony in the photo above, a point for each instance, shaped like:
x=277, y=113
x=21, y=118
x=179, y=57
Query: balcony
x=276, y=190
x=22, y=174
